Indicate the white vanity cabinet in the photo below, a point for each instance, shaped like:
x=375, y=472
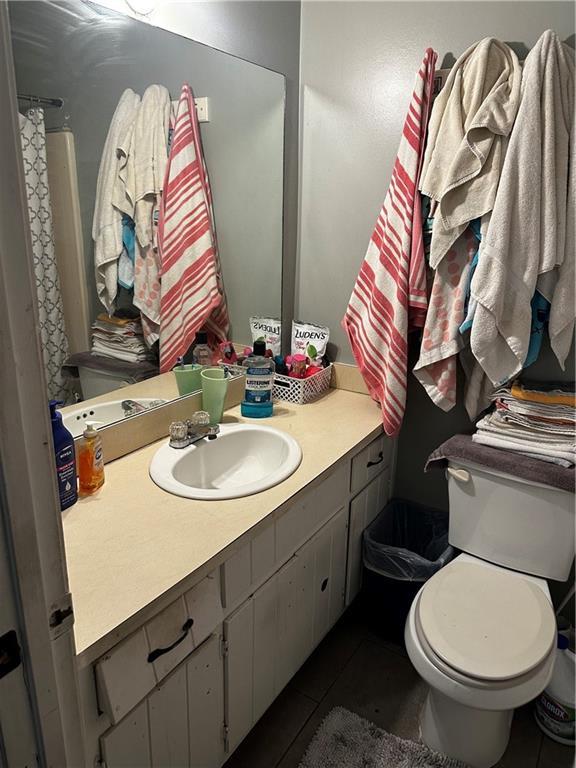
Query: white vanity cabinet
x=187, y=686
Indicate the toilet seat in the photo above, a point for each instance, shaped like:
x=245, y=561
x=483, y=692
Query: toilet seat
x=485, y=624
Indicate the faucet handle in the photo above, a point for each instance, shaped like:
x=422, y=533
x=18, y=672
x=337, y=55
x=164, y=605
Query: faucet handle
x=200, y=419
x=199, y=424
x=178, y=434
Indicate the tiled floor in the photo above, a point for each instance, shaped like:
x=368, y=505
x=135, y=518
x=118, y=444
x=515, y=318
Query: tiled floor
x=356, y=669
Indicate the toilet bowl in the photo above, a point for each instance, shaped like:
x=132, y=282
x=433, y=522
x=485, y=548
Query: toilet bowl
x=483, y=637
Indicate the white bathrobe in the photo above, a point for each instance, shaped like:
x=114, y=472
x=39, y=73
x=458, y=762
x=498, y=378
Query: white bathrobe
x=469, y=125
x=107, y=221
x=531, y=231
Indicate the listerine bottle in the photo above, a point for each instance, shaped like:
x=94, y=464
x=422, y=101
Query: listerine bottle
x=257, y=401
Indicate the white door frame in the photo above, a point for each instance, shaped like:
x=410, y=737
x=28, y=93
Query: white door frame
x=32, y=516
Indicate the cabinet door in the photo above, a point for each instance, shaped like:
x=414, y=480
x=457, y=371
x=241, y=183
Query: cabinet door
x=329, y=574
x=265, y=646
x=181, y=723
x=205, y=678
x=251, y=661
x=295, y=613
x=363, y=509
x=127, y=745
x=273, y=632
x=239, y=634
x=168, y=718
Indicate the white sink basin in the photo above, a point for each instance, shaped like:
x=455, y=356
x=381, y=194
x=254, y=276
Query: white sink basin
x=242, y=460
x=106, y=413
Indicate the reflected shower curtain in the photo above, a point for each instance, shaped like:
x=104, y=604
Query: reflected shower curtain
x=52, y=331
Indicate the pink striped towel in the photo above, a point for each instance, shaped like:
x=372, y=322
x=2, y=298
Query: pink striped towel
x=192, y=295
x=389, y=297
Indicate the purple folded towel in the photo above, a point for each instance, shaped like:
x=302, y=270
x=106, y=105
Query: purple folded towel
x=462, y=447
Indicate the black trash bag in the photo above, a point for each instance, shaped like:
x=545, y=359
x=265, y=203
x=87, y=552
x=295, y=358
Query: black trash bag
x=407, y=542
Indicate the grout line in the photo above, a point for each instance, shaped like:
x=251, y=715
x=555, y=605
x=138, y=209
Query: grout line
x=304, y=724
x=360, y=641
x=540, y=747
x=388, y=646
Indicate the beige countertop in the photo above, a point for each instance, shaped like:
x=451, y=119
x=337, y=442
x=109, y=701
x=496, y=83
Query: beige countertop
x=131, y=545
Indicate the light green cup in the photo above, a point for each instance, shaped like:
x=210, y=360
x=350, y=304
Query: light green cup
x=214, y=388
x=188, y=378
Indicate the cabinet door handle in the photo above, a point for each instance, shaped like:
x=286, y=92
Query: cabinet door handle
x=324, y=585
x=379, y=460
x=186, y=627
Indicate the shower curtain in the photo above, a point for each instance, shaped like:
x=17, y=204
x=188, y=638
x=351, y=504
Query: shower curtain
x=50, y=311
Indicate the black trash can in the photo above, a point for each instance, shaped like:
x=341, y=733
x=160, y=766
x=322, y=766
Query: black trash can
x=405, y=545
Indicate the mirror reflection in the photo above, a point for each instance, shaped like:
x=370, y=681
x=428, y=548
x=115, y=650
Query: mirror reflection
x=154, y=174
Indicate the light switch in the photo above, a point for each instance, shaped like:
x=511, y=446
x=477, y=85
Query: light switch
x=202, y=109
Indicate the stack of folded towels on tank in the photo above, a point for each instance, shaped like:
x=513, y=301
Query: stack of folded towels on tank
x=534, y=420
x=121, y=338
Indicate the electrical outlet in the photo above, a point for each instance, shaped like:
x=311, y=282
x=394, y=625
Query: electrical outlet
x=202, y=109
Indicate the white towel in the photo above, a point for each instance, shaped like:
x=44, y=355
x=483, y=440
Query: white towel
x=495, y=423
x=523, y=447
x=143, y=156
x=470, y=120
x=531, y=231
x=107, y=221
x=142, y=173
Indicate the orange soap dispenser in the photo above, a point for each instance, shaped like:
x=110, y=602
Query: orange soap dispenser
x=90, y=461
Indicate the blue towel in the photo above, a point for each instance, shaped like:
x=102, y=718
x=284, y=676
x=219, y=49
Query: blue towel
x=126, y=261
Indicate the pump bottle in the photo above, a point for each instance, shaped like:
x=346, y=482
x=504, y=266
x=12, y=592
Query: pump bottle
x=65, y=458
x=90, y=461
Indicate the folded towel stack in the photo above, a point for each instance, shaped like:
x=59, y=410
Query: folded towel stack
x=122, y=339
x=533, y=420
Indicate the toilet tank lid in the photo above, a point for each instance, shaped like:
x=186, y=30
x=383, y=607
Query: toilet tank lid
x=487, y=624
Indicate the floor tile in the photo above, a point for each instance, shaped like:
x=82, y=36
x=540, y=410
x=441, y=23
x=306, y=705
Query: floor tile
x=555, y=755
x=525, y=741
x=377, y=684
x=275, y=731
x=322, y=669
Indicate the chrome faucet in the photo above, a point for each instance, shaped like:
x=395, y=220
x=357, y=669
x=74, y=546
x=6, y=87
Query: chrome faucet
x=185, y=433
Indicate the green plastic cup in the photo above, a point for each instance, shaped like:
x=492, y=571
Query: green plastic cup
x=188, y=378
x=214, y=388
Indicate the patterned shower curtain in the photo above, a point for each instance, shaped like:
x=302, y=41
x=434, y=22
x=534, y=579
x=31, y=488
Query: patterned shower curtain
x=52, y=331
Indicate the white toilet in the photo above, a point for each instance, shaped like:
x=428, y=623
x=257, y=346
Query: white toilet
x=482, y=632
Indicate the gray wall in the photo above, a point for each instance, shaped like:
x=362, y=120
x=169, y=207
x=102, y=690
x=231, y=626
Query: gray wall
x=358, y=62
x=89, y=57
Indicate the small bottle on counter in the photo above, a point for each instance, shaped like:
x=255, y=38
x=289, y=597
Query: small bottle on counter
x=201, y=352
x=90, y=461
x=257, y=402
x=65, y=458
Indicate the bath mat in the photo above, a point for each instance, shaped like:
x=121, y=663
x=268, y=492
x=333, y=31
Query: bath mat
x=345, y=740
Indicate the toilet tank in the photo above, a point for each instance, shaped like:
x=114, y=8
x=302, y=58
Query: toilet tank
x=506, y=520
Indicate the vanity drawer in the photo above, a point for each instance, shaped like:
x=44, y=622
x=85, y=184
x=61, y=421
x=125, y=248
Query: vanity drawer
x=133, y=667
x=248, y=568
x=370, y=462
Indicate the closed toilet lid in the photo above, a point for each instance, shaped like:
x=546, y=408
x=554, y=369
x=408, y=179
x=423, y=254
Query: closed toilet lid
x=487, y=623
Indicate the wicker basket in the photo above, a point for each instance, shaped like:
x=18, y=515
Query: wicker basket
x=298, y=391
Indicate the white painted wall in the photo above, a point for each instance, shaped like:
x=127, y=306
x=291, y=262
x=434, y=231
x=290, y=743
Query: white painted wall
x=358, y=62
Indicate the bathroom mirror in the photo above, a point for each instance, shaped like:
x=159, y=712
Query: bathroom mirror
x=73, y=61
